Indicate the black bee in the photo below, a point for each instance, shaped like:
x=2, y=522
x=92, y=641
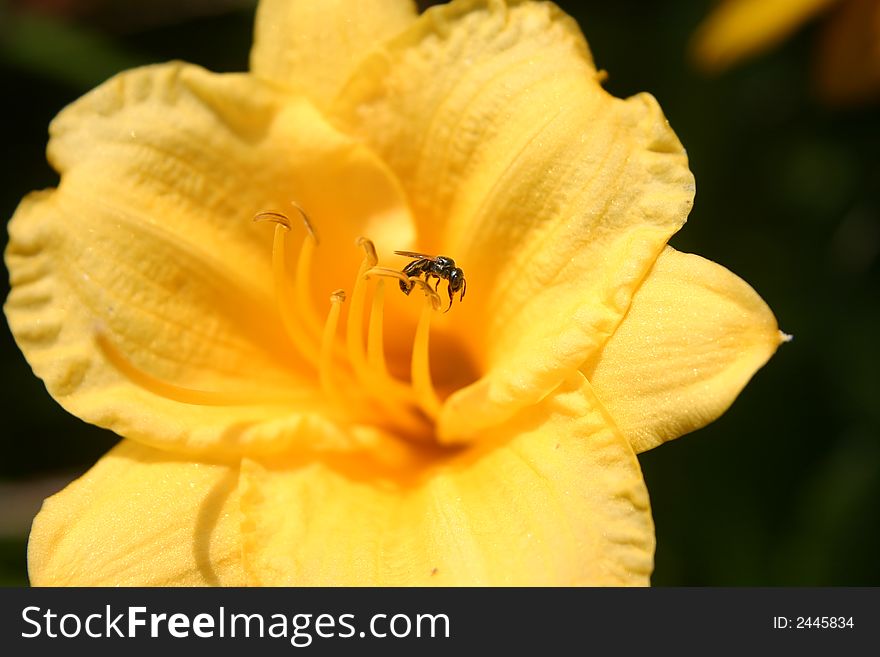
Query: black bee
x=439, y=267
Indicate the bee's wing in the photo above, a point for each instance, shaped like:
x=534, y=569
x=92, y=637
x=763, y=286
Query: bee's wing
x=414, y=254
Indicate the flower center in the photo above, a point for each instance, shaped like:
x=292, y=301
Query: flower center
x=349, y=362
x=353, y=375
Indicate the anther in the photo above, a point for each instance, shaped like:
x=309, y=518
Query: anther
x=274, y=217
x=370, y=249
x=308, y=222
x=284, y=220
x=300, y=310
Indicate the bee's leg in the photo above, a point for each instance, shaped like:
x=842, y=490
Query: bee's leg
x=411, y=270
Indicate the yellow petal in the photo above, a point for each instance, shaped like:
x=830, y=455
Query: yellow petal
x=553, y=497
x=738, y=29
x=554, y=197
x=693, y=337
x=313, y=46
x=140, y=517
x=150, y=238
x=848, y=62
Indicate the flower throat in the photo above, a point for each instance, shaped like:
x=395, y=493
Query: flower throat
x=353, y=377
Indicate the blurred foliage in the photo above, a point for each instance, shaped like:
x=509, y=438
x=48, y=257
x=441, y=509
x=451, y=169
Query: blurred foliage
x=62, y=52
x=783, y=489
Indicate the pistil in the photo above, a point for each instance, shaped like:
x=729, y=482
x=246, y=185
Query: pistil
x=303, y=276
x=328, y=338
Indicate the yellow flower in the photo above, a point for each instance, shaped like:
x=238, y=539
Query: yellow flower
x=280, y=431
x=847, y=65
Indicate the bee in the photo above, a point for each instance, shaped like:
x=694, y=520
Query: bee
x=438, y=267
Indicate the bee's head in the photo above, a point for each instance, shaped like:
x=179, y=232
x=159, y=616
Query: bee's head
x=456, y=280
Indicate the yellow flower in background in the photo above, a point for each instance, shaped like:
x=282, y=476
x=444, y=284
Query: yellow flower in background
x=847, y=62
x=290, y=416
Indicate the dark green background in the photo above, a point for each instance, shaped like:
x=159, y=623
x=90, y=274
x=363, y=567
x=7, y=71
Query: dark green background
x=784, y=488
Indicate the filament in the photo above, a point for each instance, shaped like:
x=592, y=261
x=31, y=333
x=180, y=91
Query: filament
x=325, y=366
x=376, y=331
x=300, y=339
x=420, y=369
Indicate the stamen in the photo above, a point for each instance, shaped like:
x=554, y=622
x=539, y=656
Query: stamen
x=420, y=368
x=304, y=344
x=325, y=367
x=284, y=220
x=303, y=283
x=302, y=279
x=375, y=333
x=394, y=397
x=404, y=404
x=174, y=392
